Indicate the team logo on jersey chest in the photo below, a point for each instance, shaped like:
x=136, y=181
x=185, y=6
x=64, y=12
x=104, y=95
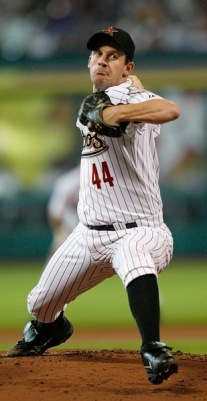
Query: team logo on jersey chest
x=93, y=144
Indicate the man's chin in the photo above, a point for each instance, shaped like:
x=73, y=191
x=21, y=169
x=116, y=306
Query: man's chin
x=101, y=86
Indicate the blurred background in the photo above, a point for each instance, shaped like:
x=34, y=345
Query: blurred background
x=43, y=80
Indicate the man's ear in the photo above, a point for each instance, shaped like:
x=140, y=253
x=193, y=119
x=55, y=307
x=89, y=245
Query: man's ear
x=128, y=69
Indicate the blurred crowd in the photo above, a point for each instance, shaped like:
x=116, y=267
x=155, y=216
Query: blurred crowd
x=51, y=28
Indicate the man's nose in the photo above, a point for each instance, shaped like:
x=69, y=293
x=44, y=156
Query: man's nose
x=103, y=60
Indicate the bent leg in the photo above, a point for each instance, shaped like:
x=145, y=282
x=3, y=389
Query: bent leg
x=141, y=256
x=70, y=272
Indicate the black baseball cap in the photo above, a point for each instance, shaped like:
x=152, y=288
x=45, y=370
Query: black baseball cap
x=121, y=37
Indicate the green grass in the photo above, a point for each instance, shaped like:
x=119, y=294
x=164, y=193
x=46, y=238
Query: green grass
x=183, y=302
x=16, y=281
x=187, y=346
x=183, y=287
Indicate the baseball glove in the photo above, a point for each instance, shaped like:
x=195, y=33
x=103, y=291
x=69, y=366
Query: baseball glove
x=91, y=111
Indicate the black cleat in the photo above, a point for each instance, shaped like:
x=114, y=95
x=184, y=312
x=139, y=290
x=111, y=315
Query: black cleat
x=41, y=343
x=159, y=364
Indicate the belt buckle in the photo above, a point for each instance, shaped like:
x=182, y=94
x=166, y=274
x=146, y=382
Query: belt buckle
x=119, y=226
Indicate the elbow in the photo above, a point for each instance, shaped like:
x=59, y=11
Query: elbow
x=174, y=111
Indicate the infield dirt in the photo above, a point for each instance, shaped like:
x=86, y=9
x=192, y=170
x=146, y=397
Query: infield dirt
x=98, y=375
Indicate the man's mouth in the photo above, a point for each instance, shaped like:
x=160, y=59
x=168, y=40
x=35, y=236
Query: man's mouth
x=101, y=72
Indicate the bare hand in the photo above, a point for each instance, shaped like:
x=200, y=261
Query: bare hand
x=134, y=81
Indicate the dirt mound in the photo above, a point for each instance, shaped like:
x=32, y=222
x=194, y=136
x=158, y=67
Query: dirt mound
x=97, y=375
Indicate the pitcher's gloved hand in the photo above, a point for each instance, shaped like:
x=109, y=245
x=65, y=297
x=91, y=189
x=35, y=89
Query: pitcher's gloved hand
x=91, y=111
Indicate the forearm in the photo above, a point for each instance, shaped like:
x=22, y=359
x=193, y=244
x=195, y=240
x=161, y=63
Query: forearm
x=155, y=111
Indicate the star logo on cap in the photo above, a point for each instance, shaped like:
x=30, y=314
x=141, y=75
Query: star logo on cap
x=110, y=30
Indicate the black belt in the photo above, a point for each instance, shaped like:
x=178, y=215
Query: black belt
x=115, y=227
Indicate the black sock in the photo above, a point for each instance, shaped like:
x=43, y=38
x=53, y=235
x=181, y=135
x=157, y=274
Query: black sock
x=143, y=298
x=49, y=328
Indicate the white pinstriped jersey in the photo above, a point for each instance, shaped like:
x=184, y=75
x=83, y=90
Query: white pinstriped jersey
x=119, y=184
x=119, y=176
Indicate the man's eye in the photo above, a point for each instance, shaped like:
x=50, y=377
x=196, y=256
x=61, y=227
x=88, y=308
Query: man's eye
x=113, y=56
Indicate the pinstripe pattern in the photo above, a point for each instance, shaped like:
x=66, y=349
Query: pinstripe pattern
x=88, y=257
x=70, y=272
x=118, y=184
x=132, y=162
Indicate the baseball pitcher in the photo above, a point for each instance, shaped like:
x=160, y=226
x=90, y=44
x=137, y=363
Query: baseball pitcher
x=121, y=229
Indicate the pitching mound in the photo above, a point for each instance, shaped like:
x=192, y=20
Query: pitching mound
x=98, y=375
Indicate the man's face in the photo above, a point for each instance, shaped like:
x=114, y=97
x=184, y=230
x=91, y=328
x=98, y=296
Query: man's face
x=107, y=67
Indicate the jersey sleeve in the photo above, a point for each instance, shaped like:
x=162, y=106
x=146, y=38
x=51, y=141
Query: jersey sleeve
x=126, y=94
x=129, y=94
